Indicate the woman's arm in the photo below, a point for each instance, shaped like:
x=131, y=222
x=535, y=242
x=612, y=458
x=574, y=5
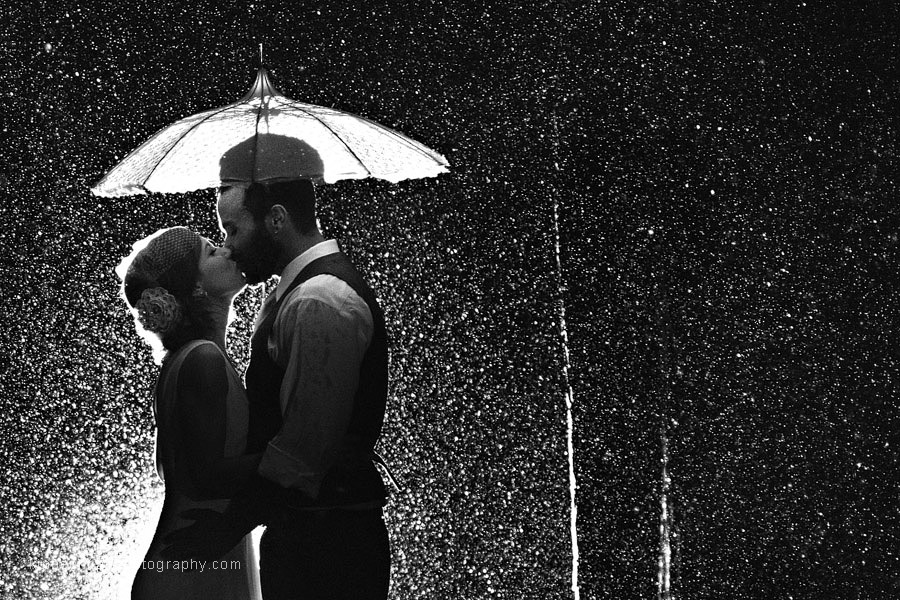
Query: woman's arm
x=201, y=416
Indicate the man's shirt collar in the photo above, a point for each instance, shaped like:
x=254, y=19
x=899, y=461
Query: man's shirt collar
x=294, y=267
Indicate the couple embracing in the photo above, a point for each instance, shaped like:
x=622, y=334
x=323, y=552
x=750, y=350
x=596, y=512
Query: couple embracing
x=294, y=451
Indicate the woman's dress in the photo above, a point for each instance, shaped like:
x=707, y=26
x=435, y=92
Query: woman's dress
x=234, y=576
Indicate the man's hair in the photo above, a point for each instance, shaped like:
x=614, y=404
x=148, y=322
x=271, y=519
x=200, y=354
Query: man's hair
x=298, y=197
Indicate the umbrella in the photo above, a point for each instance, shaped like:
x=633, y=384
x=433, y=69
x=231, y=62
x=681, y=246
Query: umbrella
x=267, y=137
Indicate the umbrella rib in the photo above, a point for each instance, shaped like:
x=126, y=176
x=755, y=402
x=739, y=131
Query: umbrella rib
x=212, y=113
x=295, y=103
x=255, y=146
x=133, y=153
x=406, y=140
x=421, y=148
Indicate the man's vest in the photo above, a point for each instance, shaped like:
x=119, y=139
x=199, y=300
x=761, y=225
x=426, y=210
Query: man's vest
x=354, y=478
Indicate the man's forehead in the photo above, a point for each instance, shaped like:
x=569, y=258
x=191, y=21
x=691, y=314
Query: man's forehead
x=230, y=203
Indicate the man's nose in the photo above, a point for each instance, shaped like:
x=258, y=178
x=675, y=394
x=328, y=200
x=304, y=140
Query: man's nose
x=224, y=251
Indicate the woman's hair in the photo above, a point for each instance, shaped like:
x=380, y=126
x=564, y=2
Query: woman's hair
x=159, y=283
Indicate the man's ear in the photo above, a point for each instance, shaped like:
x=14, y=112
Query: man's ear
x=277, y=219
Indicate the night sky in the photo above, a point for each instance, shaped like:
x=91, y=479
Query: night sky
x=725, y=181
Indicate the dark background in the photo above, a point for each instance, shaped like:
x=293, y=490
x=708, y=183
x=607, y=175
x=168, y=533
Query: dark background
x=725, y=177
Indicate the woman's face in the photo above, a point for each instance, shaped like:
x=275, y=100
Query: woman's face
x=219, y=275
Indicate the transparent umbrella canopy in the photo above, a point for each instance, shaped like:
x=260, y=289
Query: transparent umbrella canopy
x=266, y=137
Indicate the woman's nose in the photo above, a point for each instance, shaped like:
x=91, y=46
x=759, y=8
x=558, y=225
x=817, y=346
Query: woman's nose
x=224, y=251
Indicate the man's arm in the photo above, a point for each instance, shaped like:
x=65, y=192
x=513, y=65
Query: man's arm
x=321, y=335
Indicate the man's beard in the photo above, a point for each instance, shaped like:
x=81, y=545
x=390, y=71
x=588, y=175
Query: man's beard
x=258, y=262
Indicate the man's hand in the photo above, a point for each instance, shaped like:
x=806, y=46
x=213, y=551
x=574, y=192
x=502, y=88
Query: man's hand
x=211, y=536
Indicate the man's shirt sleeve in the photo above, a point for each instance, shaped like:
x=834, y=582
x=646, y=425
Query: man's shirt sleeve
x=320, y=336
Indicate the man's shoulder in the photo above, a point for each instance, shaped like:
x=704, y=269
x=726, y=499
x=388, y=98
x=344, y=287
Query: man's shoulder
x=326, y=288
x=323, y=301
x=329, y=291
x=318, y=285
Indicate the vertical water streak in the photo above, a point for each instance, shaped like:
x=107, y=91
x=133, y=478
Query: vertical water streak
x=664, y=573
x=664, y=579
x=570, y=398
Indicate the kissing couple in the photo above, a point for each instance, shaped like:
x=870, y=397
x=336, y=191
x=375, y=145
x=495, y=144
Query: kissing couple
x=294, y=450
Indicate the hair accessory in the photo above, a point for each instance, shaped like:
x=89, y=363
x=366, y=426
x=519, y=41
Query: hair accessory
x=158, y=311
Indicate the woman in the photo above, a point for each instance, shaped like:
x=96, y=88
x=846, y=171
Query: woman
x=180, y=288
